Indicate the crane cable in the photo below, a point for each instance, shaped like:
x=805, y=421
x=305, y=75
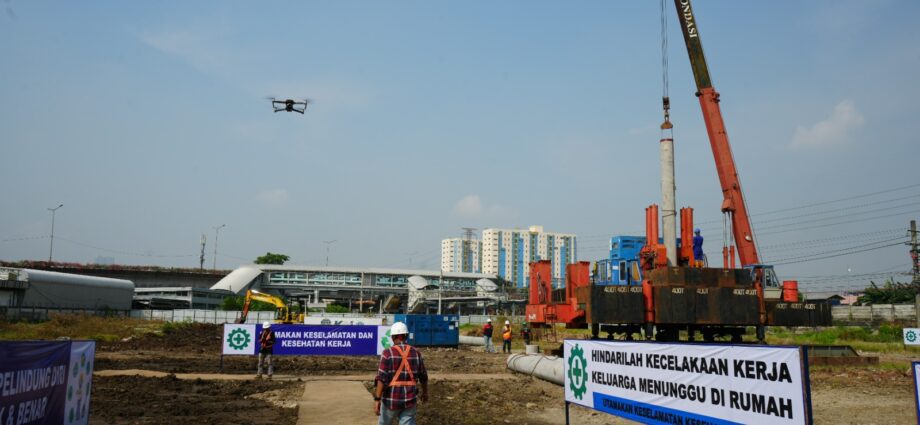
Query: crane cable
x=666, y=126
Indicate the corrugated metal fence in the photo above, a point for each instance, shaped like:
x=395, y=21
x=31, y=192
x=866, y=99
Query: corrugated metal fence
x=841, y=313
x=875, y=313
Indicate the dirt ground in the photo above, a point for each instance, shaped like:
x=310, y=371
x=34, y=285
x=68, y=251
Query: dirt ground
x=139, y=400
x=841, y=395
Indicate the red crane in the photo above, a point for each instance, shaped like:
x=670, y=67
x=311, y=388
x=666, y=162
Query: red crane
x=733, y=199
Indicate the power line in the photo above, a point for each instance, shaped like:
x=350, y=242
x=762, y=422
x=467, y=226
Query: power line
x=837, y=224
x=25, y=238
x=115, y=251
x=817, y=220
x=837, y=238
x=818, y=247
x=837, y=255
x=901, y=239
x=871, y=204
x=865, y=195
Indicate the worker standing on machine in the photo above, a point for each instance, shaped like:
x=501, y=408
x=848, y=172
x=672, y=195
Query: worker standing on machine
x=266, y=346
x=698, y=260
x=399, y=376
x=506, y=337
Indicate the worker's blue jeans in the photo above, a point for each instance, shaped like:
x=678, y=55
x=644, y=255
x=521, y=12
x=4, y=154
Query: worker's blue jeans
x=488, y=341
x=406, y=416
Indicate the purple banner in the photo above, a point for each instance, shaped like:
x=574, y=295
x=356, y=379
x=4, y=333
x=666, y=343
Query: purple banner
x=352, y=340
x=33, y=381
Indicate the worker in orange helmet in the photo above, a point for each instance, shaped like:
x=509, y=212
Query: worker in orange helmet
x=400, y=376
x=266, y=346
x=506, y=337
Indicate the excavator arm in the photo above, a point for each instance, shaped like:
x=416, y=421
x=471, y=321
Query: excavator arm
x=253, y=295
x=733, y=199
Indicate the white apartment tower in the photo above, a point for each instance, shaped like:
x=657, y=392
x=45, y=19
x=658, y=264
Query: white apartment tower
x=507, y=253
x=461, y=255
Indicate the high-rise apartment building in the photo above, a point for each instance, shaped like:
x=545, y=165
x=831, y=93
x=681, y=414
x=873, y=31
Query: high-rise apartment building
x=507, y=253
x=461, y=255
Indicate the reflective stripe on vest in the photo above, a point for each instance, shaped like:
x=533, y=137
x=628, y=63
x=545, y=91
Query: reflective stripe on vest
x=404, y=365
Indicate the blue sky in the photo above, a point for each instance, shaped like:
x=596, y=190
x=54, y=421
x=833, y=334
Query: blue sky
x=147, y=120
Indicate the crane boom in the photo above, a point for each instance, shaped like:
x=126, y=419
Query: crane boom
x=733, y=199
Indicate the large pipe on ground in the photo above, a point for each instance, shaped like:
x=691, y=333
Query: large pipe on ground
x=547, y=368
x=472, y=340
x=668, y=203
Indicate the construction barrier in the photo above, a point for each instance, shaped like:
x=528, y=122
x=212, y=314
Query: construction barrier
x=308, y=340
x=46, y=381
x=689, y=383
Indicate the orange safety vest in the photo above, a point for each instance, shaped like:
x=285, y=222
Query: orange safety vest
x=404, y=365
x=507, y=334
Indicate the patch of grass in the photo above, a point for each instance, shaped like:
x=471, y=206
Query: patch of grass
x=895, y=367
x=173, y=327
x=76, y=326
x=885, y=339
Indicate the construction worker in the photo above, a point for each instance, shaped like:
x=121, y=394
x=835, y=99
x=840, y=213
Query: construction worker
x=266, y=345
x=506, y=337
x=399, y=376
x=487, y=336
x=525, y=333
x=698, y=248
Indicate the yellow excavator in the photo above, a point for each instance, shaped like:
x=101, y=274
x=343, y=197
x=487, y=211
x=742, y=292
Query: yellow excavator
x=284, y=313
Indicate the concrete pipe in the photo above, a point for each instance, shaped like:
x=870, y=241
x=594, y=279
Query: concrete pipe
x=472, y=340
x=531, y=349
x=547, y=368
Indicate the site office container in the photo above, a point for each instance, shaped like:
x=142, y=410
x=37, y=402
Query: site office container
x=431, y=329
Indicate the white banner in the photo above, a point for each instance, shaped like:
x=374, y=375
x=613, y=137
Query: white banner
x=682, y=383
x=911, y=336
x=915, y=366
x=240, y=340
x=79, y=382
x=339, y=321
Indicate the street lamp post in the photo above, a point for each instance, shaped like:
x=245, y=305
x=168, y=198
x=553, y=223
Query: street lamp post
x=216, y=234
x=51, y=251
x=327, y=249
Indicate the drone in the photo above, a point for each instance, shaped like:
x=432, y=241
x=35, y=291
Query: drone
x=289, y=105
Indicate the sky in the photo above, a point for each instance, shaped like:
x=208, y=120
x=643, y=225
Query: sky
x=149, y=122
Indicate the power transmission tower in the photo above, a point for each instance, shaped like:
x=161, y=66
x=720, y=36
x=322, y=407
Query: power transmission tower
x=914, y=252
x=204, y=240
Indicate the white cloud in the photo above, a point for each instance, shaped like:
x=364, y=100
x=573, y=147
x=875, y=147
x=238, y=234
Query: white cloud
x=274, y=196
x=199, y=46
x=829, y=132
x=471, y=206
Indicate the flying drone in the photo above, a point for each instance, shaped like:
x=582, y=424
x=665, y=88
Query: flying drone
x=289, y=105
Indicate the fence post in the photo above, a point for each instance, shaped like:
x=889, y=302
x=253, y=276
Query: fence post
x=917, y=309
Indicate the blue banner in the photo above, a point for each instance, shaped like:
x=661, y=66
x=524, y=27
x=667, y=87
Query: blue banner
x=33, y=381
x=351, y=340
x=651, y=414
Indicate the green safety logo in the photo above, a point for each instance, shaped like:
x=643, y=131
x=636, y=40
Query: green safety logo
x=578, y=373
x=239, y=339
x=910, y=335
x=385, y=341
